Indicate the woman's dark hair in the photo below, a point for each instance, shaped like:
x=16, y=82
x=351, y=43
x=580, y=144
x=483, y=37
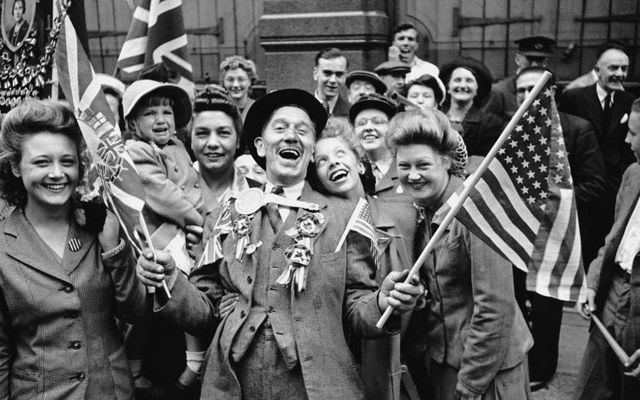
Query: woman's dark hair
x=28, y=118
x=213, y=99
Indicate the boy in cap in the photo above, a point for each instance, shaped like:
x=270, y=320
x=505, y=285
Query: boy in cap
x=393, y=75
x=297, y=286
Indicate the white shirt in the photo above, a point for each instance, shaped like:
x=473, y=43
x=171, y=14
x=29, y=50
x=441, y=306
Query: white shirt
x=292, y=192
x=420, y=67
x=630, y=243
x=602, y=94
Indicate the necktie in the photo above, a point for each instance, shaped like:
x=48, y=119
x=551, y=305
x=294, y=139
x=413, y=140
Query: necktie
x=606, y=113
x=376, y=172
x=272, y=210
x=326, y=106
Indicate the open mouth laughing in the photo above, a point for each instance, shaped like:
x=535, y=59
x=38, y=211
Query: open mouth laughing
x=338, y=175
x=290, y=154
x=55, y=187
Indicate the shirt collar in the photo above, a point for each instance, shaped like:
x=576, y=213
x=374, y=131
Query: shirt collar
x=290, y=192
x=603, y=93
x=332, y=102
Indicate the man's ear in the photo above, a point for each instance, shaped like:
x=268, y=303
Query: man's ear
x=315, y=73
x=259, y=146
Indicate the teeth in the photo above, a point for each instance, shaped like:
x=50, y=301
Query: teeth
x=338, y=175
x=289, y=153
x=58, y=186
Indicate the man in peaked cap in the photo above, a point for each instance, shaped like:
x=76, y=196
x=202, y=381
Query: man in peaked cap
x=533, y=51
x=360, y=83
x=393, y=74
x=285, y=337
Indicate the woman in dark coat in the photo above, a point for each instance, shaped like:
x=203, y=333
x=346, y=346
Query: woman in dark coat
x=468, y=85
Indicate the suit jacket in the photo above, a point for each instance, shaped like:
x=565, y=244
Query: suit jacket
x=58, y=337
x=474, y=323
x=502, y=100
x=616, y=154
x=587, y=167
x=341, y=109
x=604, y=266
x=340, y=290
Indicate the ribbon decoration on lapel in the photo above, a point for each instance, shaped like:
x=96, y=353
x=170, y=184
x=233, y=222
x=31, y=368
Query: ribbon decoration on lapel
x=74, y=244
x=251, y=200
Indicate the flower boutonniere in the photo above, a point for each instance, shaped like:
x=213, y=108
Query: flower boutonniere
x=300, y=252
x=241, y=231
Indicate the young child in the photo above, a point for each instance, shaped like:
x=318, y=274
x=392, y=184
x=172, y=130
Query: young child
x=173, y=197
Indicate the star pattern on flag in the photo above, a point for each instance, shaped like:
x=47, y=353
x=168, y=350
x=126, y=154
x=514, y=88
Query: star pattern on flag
x=530, y=151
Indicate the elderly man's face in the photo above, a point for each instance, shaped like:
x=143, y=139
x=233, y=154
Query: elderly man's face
x=394, y=81
x=287, y=143
x=612, y=68
x=360, y=88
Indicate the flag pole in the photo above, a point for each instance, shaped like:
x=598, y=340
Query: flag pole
x=470, y=184
x=622, y=355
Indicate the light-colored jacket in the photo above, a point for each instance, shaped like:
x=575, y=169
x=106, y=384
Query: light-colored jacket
x=58, y=337
x=340, y=290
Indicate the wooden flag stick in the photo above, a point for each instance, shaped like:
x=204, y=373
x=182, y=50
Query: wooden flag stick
x=469, y=185
x=622, y=355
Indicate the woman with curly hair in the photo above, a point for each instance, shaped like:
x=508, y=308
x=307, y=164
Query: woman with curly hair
x=63, y=278
x=237, y=75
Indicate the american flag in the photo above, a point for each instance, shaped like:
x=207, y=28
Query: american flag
x=213, y=248
x=114, y=167
x=156, y=35
x=524, y=207
x=361, y=221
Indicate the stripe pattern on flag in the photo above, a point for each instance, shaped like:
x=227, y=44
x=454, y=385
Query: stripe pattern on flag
x=114, y=168
x=361, y=221
x=156, y=35
x=524, y=207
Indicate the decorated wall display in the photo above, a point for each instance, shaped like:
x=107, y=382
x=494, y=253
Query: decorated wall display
x=26, y=51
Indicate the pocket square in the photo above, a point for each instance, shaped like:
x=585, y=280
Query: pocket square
x=625, y=118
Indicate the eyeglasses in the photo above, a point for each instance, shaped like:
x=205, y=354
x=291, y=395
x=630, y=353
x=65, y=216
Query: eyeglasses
x=375, y=121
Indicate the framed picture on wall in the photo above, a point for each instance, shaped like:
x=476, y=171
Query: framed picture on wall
x=17, y=20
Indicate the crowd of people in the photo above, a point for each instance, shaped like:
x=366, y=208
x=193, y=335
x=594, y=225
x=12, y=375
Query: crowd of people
x=255, y=283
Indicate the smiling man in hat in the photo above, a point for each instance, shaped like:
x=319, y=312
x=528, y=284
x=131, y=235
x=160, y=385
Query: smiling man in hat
x=298, y=289
x=533, y=51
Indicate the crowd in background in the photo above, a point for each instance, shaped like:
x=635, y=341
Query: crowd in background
x=280, y=300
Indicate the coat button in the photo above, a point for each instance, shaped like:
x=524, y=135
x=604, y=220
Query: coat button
x=66, y=289
x=275, y=246
x=243, y=314
x=249, y=280
x=81, y=376
x=252, y=329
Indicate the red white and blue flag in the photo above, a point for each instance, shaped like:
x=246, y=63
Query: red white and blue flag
x=524, y=206
x=156, y=35
x=115, y=169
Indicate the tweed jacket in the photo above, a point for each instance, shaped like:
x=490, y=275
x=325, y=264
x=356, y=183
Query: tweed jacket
x=604, y=266
x=340, y=290
x=171, y=186
x=474, y=323
x=616, y=154
x=58, y=337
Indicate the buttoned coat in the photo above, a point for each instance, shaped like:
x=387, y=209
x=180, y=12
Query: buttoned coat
x=474, y=324
x=616, y=154
x=340, y=290
x=58, y=337
x=604, y=266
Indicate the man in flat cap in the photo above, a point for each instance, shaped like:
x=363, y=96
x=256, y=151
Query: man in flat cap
x=360, y=83
x=533, y=51
x=329, y=73
x=393, y=74
x=298, y=289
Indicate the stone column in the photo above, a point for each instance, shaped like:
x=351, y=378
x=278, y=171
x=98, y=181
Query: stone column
x=293, y=31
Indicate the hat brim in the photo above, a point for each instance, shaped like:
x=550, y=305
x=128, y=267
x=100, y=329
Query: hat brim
x=264, y=107
x=479, y=70
x=378, y=85
x=366, y=104
x=182, y=109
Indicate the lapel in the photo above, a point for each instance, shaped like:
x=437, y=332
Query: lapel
x=594, y=109
x=25, y=246
x=72, y=259
x=388, y=181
